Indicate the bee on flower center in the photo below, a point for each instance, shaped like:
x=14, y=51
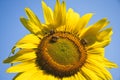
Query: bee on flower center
x=54, y=38
x=52, y=32
x=84, y=41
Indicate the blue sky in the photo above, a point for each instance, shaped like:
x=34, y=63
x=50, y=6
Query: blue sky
x=11, y=30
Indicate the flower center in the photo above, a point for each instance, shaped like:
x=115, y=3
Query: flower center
x=61, y=54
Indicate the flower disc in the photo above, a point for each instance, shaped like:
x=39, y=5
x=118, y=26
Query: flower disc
x=61, y=54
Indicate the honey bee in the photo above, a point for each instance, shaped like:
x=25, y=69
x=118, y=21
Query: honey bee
x=84, y=41
x=54, y=38
x=52, y=32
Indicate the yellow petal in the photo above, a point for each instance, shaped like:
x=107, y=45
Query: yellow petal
x=82, y=23
x=70, y=22
x=32, y=27
x=93, y=29
x=24, y=46
x=100, y=59
x=22, y=55
x=22, y=67
x=26, y=75
x=33, y=18
x=72, y=19
x=100, y=66
x=110, y=64
x=49, y=77
x=63, y=10
x=105, y=34
x=36, y=76
x=40, y=75
x=68, y=78
x=99, y=44
x=78, y=76
x=91, y=75
x=90, y=32
x=29, y=38
x=61, y=28
x=17, y=75
x=48, y=13
x=29, y=41
x=27, y=46
x=59, y=13
x=96, y=70
x=97, y=51
x=81, y=77
x=65, y=78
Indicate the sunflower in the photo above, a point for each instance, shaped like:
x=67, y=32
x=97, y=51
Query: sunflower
x=62, y=48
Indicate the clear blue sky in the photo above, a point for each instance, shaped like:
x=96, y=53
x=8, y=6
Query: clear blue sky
x=11, y=30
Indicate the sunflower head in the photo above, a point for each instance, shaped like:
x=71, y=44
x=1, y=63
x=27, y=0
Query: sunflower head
x=61, y=54
x=63, y=47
